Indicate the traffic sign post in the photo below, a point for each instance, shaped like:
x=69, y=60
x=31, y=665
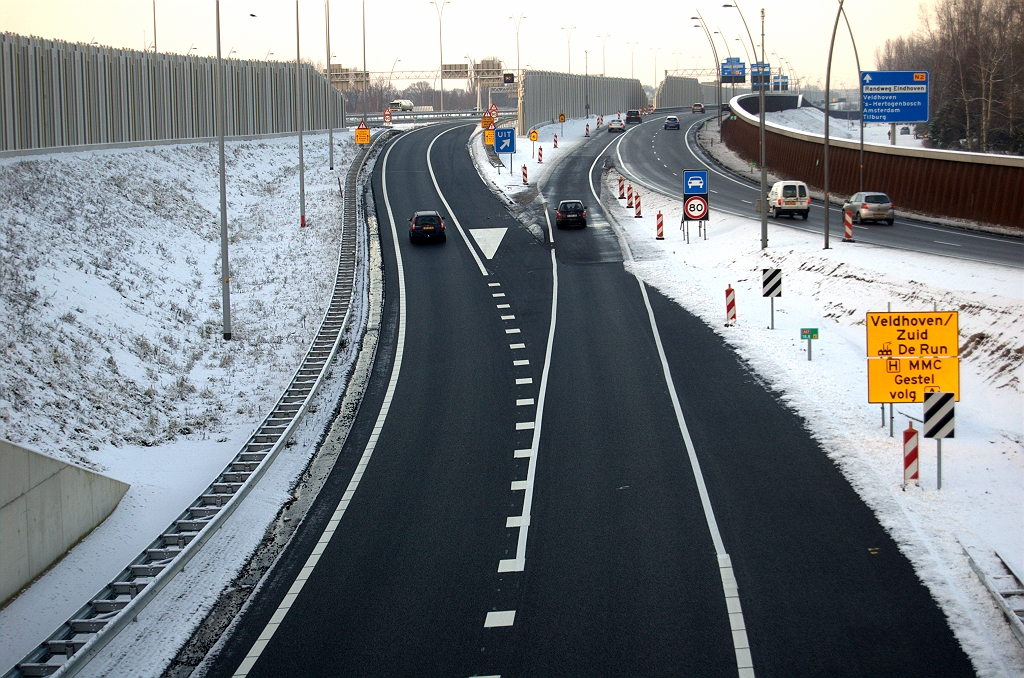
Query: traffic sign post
x=808, y=333
x=505, y=142
x=362, y=133
x=533, y=139
x=911, y=355
x=561, y=126
x=489, y=135
x=771, y=286
x=939, y=423
x=895, y=96
x=695, y=199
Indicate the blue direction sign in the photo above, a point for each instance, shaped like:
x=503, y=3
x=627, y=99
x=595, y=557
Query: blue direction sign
x=895, y=96
x=695, y=182
x=505, y=140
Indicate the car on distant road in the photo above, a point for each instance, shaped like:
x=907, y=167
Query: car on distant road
x=671, y=122
x=401, y=105
x=697, y=108
x=571, y=212
x=617, y=125
x=869, y=206
x=633, y=116
x=789, y=198
x=426, y=225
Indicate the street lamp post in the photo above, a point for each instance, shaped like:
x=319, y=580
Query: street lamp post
x=861, y=88
x=632, y=54
x=299, y=113
x=760, y=98
x=744, y=46
x=732, y=85
x=517, y=21
x=440, y=41
x=330, y=92
x=828, y=84
x=222, y=111
x=604, y=39
x=154, y=26
x=568, y=43
x=655, y=50
x=586, y=82
x=714, y=52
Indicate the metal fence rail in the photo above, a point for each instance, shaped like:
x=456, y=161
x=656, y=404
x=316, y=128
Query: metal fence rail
x=55, y=93
x=546, y=94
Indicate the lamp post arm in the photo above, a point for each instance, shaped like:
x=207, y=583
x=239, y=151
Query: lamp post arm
x=828, y=84
x=861, y=87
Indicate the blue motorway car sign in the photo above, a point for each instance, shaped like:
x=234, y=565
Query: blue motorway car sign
x=695, y=182
x=505, y=140
x=895, y=96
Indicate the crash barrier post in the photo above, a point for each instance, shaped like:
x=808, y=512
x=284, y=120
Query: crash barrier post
x=636, y=199
x=524, y=175
x=730, y=306
x=848, y=226
x=629, y=196
x=622, y=188
x=661, y=227
x=540, y=155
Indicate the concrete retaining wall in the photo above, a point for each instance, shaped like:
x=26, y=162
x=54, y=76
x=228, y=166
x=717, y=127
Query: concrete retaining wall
x=46, y=506
x=980, y=187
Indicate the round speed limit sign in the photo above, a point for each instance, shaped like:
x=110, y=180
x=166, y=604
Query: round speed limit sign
x=696, y=208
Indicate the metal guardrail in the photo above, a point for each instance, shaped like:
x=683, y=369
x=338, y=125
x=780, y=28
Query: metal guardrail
x=399, y=118
x=68, y=649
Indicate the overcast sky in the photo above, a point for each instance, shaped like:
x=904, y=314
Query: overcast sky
x=798, y=30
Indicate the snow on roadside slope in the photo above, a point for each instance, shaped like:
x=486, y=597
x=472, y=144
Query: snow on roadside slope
x=981, y=504
x=116, y=361
x=812, y=121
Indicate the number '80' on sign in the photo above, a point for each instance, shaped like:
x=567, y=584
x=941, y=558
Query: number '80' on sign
x=695, y=208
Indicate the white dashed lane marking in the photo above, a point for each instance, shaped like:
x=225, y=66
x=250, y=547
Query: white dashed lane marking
x=494, y=284
x=523, y=454
x=503, y=618
x=514, y=330
x=525, y=426
x=515, y=346
x=520, y=363
x=498, y=294
x=524, y=401
x=518, y=485
x=508, y=317
x=524, y=380
x=503, y=306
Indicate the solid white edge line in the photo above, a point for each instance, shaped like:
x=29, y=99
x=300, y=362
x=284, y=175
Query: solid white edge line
x=737, y=624
x=329, y=528
x=458, y=226
x=518, y=564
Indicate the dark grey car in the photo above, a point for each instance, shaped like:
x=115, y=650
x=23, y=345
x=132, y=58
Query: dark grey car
x=571, y=213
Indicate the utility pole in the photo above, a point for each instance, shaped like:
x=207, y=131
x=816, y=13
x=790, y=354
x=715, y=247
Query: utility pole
x=221, y=124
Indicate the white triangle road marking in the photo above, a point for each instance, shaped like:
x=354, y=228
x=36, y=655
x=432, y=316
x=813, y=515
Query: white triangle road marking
x=488, y=239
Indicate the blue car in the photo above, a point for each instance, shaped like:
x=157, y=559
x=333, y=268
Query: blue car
x=671, y=122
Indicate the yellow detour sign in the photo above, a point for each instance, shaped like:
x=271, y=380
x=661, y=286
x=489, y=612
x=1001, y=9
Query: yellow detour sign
x=489, y=136
x=561, y=117
x=486, y=122
x=907, y=380
x=362, y=133
x=533, y=135
x=910, y=335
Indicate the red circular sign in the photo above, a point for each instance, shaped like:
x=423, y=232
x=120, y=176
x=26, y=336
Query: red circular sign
x=387, y=115
x=696, y=207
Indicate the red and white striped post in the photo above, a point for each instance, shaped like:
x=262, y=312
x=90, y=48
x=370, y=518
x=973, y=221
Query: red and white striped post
x=600, y=121
x=730, y=306
x=629, y=196
x=587, y=134
x=524, y=175
x=661, y=228
x=622, y=188
x=556, y=141
x=910, y=470
x=848, y=226
x=636, y=199
x=540, y=155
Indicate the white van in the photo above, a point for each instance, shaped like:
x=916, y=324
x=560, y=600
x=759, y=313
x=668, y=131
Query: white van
x=789, y=197
x=401, y=105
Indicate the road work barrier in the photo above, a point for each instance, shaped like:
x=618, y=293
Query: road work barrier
x=636, y=200
x=57, y=94
x=910, y=447
x=545, y=94
x=661, y=228
x=629, y=196
x=980, y=187
x=848, y=226
x=730, y=306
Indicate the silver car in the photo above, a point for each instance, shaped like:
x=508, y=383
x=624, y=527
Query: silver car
x=871, y=207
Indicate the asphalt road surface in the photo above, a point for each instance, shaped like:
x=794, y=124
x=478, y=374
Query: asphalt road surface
x=656, y=157
x=558, y=471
